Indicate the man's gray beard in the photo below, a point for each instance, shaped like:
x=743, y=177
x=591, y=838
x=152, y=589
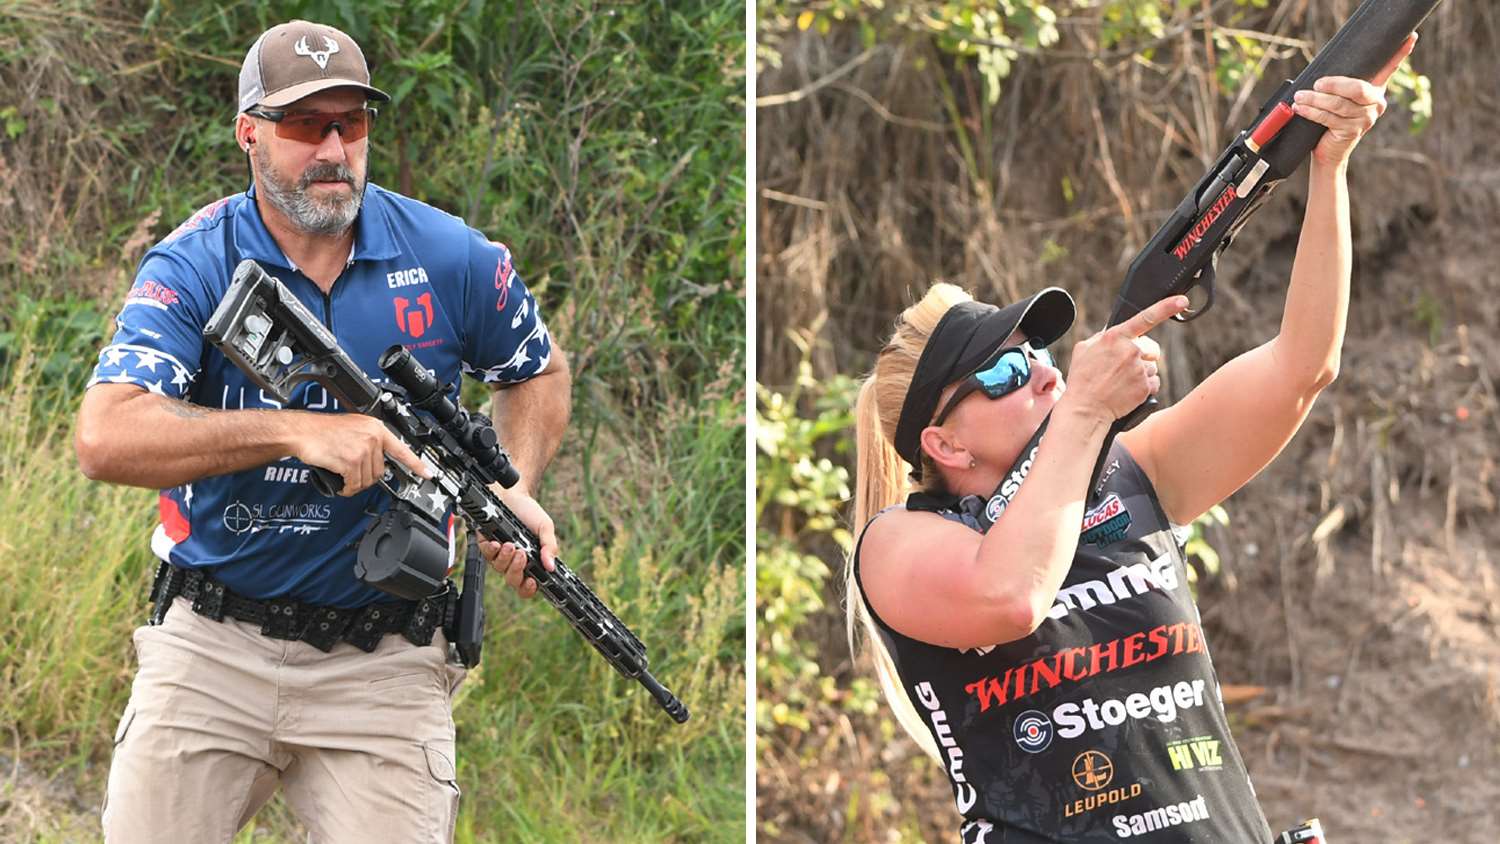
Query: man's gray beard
x=328, y=217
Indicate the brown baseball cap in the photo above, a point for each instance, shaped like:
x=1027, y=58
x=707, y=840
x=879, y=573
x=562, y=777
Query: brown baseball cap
x=292, y=60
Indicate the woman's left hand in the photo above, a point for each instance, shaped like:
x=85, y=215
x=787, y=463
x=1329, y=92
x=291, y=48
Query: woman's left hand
x=1347, y=106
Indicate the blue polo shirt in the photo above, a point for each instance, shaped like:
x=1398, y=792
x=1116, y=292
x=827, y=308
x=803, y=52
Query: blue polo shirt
x=416, y=276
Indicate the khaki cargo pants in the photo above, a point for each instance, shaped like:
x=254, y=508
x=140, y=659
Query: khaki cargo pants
x=220, y=716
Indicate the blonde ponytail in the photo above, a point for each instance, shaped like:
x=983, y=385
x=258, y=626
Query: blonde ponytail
x=880, y=479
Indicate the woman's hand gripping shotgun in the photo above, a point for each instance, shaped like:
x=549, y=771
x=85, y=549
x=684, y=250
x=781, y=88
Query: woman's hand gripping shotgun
x=1185, y=250
x=267, y=332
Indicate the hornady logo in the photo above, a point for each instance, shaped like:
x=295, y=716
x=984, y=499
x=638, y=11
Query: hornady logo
x=963, y=793
x=1191, y=811
x=1206, y=222
x=1120, y=584
x=1198, y=753
x=1093, y=771
x=153, y=293
x=1070, y=665
x=1106, y=523
x=1008, y=489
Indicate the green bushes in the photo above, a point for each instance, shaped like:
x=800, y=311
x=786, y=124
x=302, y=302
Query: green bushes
x=604, y=143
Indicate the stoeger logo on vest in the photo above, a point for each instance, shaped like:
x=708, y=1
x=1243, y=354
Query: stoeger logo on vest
x=406, y=278
x=330, y=46
x=1164, y=703
x=1195, y=235
x=963, y=792
x=1093, y=772
x=1199, y=753
x=1120, y=584
x=1033, y=731
x=1106, y=523
x=1072, y=665
x=1009, y=487
x=1191, y=811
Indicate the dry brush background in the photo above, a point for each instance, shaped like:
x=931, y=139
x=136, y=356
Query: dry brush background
x=1359, y=584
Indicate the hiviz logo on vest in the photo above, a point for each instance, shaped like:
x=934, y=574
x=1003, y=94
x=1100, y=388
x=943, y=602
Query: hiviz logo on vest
x=414, y=318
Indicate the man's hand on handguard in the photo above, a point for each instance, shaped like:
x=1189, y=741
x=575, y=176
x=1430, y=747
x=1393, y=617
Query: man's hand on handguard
x=509, y=560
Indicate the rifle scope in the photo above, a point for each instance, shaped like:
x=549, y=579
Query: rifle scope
x=472, y=431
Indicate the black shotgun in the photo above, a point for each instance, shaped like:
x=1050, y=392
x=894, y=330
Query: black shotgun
x=1185, y=250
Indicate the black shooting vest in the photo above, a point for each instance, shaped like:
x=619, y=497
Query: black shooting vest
x=1106, y=723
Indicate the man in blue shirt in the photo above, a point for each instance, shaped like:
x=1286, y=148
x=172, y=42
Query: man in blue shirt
x=224, y=711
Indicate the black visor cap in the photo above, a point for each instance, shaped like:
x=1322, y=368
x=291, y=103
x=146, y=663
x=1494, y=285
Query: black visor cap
x=966, y=335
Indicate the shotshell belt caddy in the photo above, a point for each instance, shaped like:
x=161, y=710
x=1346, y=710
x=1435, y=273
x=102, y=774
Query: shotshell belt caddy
x=319, y=626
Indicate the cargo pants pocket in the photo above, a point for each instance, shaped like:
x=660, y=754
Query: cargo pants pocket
x=440, y=765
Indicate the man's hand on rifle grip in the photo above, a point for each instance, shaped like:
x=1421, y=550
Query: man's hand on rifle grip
x=350, y=445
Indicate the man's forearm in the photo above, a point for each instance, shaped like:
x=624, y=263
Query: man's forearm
x=530, y=418
x=156, y=442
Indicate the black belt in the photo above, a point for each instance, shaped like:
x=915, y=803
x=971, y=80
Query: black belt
x=319, y=626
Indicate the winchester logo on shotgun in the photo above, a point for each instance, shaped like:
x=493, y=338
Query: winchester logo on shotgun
x=1206, y=222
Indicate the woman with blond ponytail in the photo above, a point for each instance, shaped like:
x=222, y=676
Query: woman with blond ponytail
x=1036, y=635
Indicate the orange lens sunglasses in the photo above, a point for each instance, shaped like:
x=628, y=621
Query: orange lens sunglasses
x=310, y=127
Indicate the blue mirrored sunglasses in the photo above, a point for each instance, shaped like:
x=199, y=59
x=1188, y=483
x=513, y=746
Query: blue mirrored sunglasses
x=1001, y=374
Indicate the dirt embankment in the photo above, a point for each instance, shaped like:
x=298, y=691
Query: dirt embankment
x=1360, y=585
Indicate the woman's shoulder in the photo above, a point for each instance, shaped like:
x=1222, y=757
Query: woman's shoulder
x=900, y=532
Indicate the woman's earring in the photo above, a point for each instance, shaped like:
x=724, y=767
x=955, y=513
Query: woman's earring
x=973, y=462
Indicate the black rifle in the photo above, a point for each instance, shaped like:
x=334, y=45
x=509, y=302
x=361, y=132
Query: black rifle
x=268, y=333
x=1185, y=250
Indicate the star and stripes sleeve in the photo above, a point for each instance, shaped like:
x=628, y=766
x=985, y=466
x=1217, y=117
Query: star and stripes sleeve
x=158, y=340
x=505, y=339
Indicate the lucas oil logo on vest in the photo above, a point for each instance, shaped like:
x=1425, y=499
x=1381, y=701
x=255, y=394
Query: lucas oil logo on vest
x=1106, y=523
